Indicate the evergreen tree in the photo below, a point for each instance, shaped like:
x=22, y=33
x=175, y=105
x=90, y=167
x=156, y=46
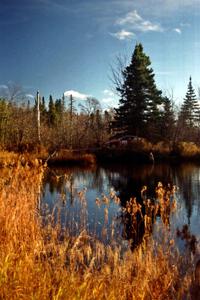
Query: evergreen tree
x=63, y=103
x=43, y=106
x=168, y=120
x=140, y=98
x=107, y=121
x=58, y=106
x=51, y=112
x=189, y=113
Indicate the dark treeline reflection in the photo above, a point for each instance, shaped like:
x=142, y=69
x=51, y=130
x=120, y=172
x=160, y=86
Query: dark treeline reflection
x=129, y=181
x=62, y=188
x=187, y=178
x=57, y=177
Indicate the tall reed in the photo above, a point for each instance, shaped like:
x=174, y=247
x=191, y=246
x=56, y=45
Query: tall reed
x=40, y=261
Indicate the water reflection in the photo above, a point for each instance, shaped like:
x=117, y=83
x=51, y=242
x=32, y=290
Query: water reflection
x=188, y=179
x=89, y=199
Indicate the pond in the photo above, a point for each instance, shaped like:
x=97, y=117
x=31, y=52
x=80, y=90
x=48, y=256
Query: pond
x=94, y=200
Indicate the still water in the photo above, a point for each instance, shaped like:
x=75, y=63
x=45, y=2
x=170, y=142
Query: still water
x=94, y=199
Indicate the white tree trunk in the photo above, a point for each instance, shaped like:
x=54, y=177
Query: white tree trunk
x=38, y=116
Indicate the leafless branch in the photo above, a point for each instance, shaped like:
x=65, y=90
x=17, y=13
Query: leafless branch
x=117, y=68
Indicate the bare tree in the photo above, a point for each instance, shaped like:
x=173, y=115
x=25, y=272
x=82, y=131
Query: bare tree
x=116, y=77
x=12, y=92
x=91, y=106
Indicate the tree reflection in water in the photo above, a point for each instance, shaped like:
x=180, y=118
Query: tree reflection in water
x=140, y=205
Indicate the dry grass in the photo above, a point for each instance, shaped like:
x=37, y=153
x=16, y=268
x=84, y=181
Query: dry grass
x=36, y=264
x=72, y=156
x=7, y=158
x=141, y=144
x=163, y=148
x=13, y=159
x=188, y=149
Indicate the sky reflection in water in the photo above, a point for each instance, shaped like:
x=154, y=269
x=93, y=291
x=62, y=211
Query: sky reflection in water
x=88, y=198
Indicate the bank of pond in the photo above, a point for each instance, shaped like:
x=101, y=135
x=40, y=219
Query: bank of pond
x=139, y=151
x=142, y=152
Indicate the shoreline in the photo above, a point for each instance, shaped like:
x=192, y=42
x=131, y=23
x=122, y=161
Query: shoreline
x=91, y=157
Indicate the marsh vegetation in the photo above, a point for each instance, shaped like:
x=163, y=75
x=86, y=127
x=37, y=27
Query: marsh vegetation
x=42, y=259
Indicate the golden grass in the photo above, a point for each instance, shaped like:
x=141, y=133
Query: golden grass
x=72, y=156
x=141, y=145
x=36, y=264
x=7, y=158
x=13, y=159
x=188, y=149
x=163, y=148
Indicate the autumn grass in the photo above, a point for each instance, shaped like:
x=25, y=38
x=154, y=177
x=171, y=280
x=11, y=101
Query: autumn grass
x=184, y=150
x=44, y=262
x=72, y=157
x=134, y=151
x=187, y=150
x=7, y=158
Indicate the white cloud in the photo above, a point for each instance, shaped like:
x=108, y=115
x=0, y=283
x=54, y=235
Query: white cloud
x=136, y=22
x=108, y=100
x=3, y=86
x=123, y=35
x=30, y=96
x=177, y=30
x=108, y=93
x=158, y=8
x=76, y=95
x=130, y=18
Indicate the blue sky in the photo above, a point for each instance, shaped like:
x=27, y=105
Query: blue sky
x=61, y=46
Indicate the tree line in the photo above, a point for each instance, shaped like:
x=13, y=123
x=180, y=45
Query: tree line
x=143, y=111
x=62, y=124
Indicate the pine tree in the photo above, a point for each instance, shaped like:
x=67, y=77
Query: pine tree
x=190, y=109
x=51, y=112
x=58, y=106
x=107, y=121
x=140, y=99
x=167, y=125
x=43, y=106
x=63, y=103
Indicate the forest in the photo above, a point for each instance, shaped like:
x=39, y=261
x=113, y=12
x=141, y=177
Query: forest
x=143, y=111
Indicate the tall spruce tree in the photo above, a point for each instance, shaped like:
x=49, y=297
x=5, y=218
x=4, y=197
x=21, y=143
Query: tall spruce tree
x=138, y=112
x=167, y=125
x=51, y=112
x=43, y=106
x=189, y=114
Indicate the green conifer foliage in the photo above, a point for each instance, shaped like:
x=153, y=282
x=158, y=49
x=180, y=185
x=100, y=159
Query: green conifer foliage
x=43, y=106
x=138, y=112
x=167, y=124
x=51, y=112
x=190, y=109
